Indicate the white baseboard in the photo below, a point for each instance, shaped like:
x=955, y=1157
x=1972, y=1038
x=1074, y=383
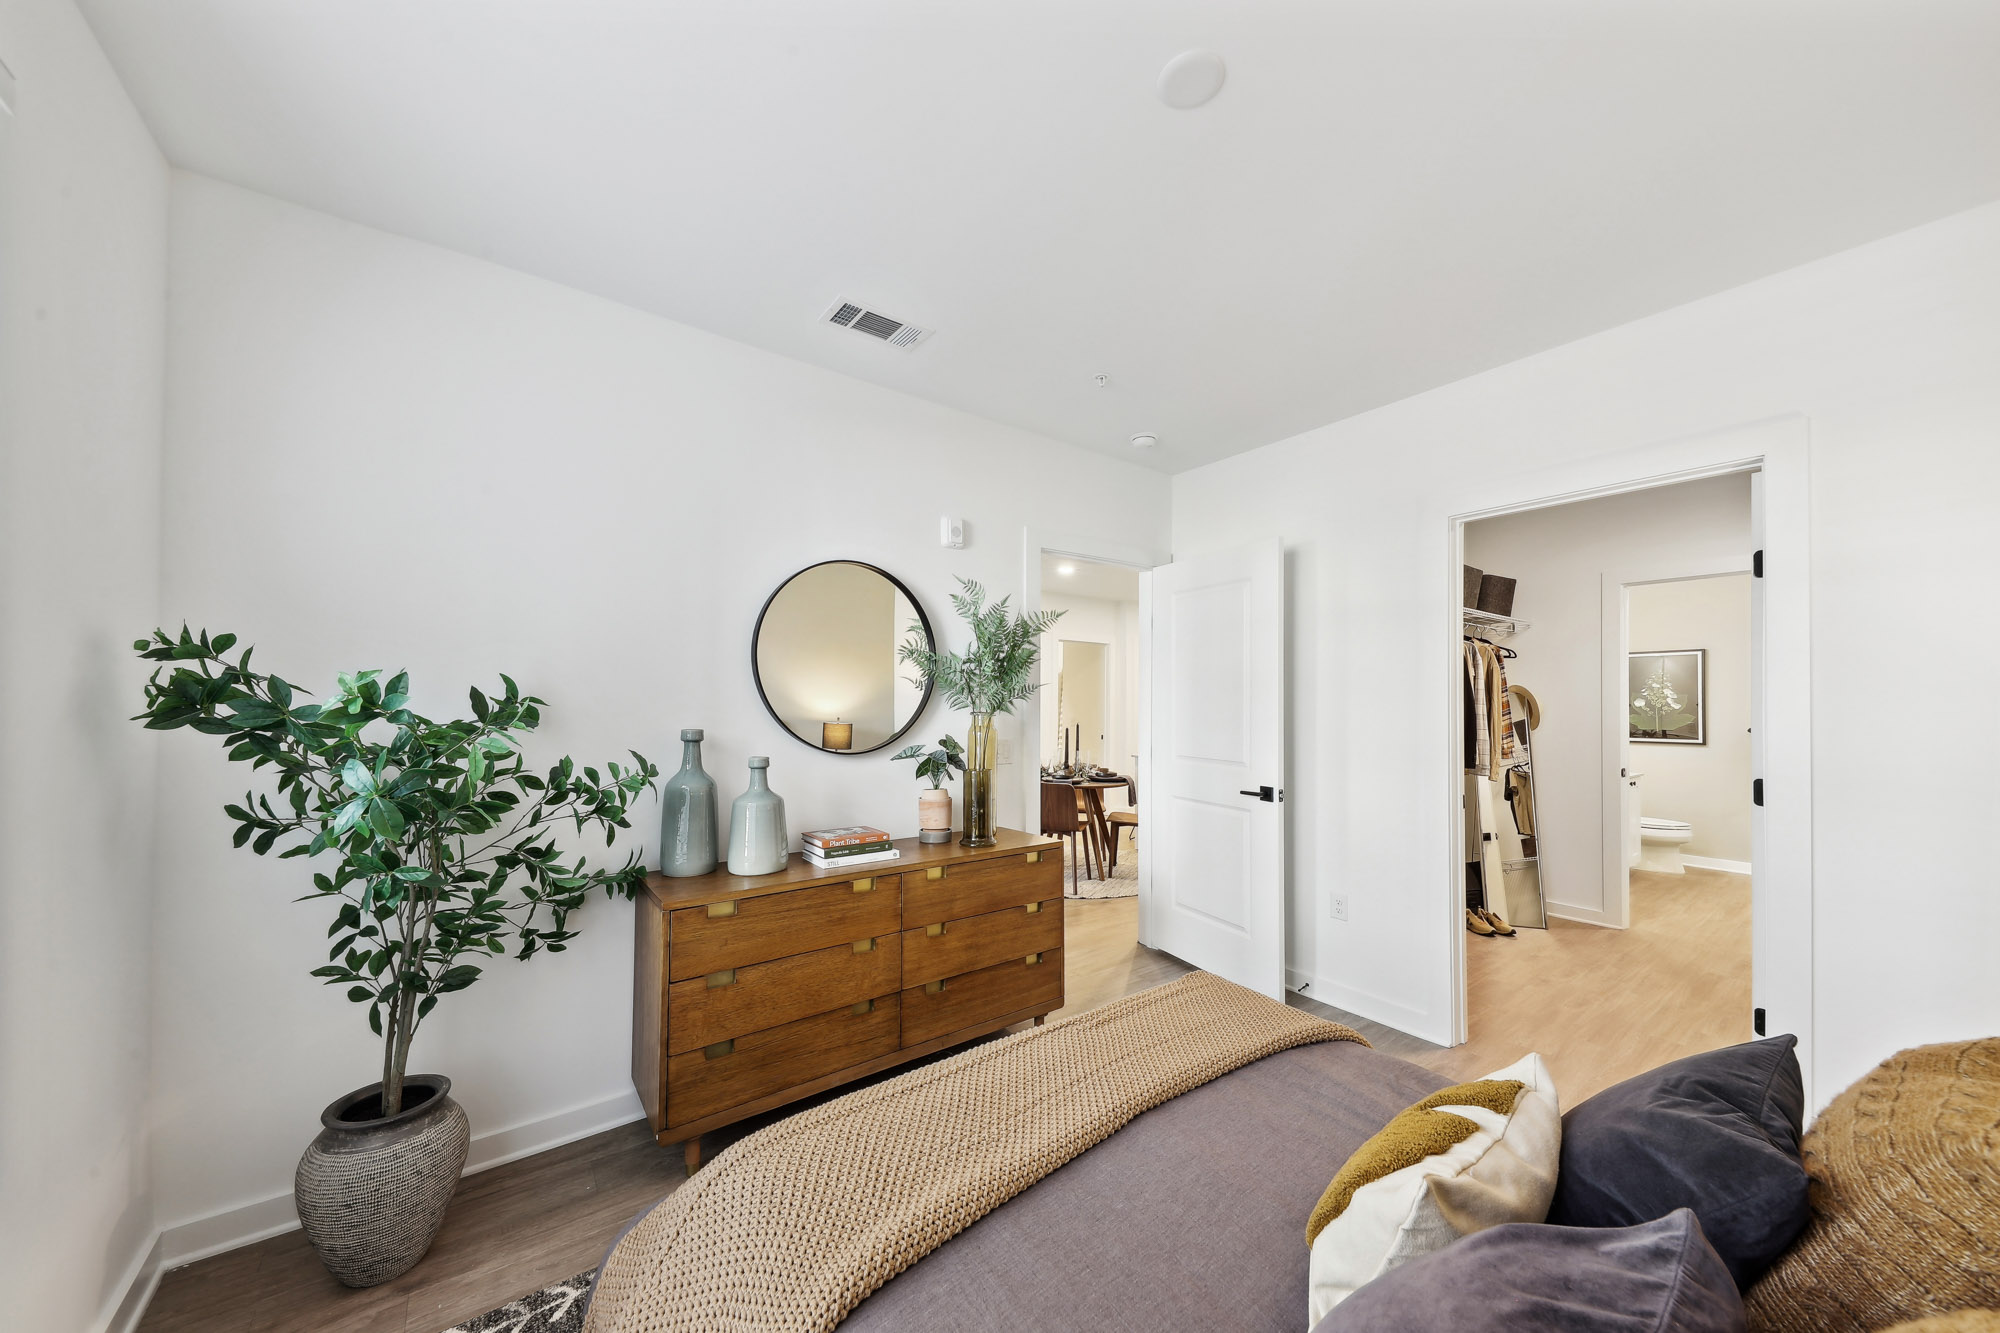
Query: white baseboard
x=1362, y=1004
x=1716, y=863
x=232, y=1228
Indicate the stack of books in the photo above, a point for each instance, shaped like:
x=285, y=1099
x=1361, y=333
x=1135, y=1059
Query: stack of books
x=855, y=845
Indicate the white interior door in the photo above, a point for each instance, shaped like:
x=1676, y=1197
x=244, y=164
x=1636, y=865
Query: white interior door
x=1761, y=922
x=1215, y=814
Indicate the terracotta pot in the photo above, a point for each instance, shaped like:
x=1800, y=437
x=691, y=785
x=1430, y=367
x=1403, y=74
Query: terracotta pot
x=934, y=815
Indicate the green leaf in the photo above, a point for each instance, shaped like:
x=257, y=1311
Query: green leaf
x=480, y=708
x=385, y=819
x=357, y=777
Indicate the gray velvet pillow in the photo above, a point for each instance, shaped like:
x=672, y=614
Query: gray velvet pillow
x=1662, y=1277
x=1716, y=1132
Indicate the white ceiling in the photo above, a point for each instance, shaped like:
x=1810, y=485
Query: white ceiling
x=1088, y=578
x=1386, y=196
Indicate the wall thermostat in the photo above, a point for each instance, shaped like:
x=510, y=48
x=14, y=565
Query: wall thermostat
x=951, y=532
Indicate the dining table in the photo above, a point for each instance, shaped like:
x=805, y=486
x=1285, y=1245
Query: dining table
x=1093, y=790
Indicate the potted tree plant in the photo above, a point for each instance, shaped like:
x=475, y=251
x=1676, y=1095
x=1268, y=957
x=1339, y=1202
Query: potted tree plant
x=995, y=672
x=443, y=851
x=934, y=804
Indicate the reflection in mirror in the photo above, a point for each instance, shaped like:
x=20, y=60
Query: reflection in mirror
x=825, y=657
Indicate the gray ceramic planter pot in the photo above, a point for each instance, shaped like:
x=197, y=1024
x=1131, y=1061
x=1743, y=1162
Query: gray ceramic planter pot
x=371, y=1193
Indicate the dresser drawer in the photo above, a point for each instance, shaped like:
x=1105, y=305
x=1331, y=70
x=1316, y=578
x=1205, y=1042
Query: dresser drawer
x=945, y=949
x=962, y=1001
x=709, y=1079
x=740, y=931
x=944, y=893
x=704, y=1010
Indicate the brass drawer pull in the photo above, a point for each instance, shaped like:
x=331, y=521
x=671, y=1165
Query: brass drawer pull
x=864, y=946
x=726, y=977
x=720, y=1049
x=1032, y=908
x=933, y=987
x=865, y=1007
x=862, y=885
x=1032, y=959
x=1033, y=857
x=722, y=909
x=935, y=930
x=935, y=872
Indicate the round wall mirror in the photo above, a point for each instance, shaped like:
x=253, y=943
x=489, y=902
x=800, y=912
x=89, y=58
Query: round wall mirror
x=824, y=655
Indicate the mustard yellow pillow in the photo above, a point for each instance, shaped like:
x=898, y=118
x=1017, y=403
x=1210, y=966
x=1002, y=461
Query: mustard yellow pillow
x=1463, y=1159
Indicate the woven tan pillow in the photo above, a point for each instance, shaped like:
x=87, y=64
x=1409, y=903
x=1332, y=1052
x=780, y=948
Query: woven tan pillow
x=1905, y=1169
x=1965, y=1321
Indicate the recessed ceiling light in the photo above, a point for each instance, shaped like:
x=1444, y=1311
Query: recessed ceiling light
x=1191, y=79
x=1144, y=441
x=1065, y=570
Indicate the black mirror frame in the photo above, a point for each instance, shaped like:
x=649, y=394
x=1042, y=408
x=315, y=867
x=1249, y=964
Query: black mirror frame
x=757, y=633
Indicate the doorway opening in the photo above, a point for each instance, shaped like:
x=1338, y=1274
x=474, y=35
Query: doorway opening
x=1606, y=699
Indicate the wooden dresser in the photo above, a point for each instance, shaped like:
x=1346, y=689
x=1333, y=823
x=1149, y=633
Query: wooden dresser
x=750, y=993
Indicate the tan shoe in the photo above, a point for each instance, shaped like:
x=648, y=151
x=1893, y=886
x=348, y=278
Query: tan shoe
x=1496, y=921
x=1476, y=923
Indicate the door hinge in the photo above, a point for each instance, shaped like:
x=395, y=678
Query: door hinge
x=1757, y=791
x=1757, y=565
x=1757, y=1021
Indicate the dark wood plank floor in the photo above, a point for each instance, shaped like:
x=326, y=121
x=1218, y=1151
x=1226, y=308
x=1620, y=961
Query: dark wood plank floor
x=1683, y=969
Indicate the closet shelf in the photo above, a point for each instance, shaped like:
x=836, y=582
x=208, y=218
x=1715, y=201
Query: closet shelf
x=1487, y=625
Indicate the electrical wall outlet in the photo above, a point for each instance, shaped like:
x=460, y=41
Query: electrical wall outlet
x=1336, y=907
x=1004, y=751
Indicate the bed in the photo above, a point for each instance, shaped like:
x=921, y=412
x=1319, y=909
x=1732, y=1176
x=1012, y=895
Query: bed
x=1190, y=1214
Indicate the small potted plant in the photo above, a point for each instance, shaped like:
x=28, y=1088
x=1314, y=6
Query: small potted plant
x=934, y=805
x=443, y=851
x=995, y=672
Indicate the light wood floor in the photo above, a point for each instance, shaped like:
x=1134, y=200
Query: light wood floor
x=1600, y=1005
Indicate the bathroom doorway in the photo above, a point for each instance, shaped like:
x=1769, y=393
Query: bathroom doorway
x=1608, y=768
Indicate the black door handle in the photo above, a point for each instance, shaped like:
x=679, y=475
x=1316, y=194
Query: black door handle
x=1262, y=793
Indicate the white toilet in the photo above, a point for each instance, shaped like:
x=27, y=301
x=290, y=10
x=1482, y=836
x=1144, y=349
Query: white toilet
x=1660, y=843
x=1652, y=843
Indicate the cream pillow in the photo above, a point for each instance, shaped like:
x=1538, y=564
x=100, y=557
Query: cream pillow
x=1463, y=1159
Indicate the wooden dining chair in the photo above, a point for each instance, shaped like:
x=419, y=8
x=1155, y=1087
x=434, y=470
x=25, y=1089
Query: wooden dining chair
x=1061, y=819
x=1120, y=820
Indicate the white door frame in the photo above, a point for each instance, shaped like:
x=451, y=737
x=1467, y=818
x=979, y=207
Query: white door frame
x=1781, y=914
x=1616, y=904
x=1035, y=542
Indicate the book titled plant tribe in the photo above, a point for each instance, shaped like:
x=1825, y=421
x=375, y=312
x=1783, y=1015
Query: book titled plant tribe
x=828, y=840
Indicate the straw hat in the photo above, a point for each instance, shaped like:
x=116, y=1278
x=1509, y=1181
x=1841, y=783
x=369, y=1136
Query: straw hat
x=1527, y=703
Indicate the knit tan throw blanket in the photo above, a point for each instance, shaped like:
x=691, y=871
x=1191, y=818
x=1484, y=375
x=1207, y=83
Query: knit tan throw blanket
x=790, y=1228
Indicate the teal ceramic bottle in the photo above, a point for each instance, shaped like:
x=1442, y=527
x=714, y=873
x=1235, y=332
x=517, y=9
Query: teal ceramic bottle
x=758, y=844
x=687, y=814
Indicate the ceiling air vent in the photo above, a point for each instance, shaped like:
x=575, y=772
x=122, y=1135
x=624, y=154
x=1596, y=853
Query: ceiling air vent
x=876, y=325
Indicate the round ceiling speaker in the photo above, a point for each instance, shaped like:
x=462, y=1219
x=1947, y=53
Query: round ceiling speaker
x=1191, y=79
x=1144, y=441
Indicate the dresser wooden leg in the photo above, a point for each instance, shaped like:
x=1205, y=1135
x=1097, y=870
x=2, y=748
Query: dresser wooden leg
x=691, y=1153
x=1041, y=1019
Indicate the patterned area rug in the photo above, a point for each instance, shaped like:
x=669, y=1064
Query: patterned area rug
x=556, y=1308
x=1122, y=883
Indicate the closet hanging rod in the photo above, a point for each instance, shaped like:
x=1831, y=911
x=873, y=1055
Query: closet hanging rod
x=1507, y=653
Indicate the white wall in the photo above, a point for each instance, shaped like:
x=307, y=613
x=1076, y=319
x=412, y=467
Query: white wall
x=1559, y=558
x=83, y=198
x=1889, y=351
x=1707, y=785
x=385, y=454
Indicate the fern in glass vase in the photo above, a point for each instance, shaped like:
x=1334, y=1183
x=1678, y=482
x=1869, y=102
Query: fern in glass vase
x=995, y=672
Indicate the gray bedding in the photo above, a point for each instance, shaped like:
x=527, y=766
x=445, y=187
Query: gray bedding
x=1192, y=1216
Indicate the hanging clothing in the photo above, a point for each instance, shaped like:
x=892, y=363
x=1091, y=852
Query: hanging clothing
x=1478, y=742
x=1499, y=711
